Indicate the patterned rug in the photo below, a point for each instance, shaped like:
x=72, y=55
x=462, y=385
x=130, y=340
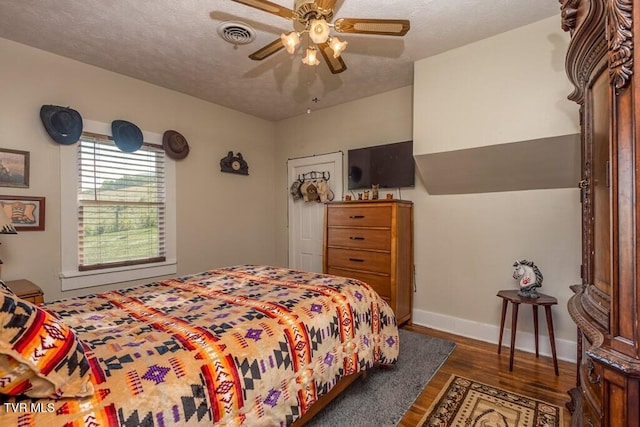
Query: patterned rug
x=464, y=402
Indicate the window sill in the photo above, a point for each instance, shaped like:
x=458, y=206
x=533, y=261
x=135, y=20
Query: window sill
x=85, y=279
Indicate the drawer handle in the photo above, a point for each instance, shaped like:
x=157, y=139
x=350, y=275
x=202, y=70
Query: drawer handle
x=356, y=216
x=356, y=260
x=356, y=238
x=591, y=368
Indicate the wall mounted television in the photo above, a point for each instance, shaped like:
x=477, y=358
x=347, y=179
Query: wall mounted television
x=389, y=165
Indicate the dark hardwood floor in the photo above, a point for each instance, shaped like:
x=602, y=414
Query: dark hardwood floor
x=480, y=361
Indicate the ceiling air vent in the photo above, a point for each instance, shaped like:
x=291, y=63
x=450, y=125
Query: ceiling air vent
x=236, y=32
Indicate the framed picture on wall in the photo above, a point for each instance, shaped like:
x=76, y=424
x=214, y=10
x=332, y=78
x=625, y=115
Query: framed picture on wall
x=14, y=168
x=26, y=213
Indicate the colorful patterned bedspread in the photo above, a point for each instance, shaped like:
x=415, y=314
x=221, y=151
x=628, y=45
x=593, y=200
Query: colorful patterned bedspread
x=245, y=345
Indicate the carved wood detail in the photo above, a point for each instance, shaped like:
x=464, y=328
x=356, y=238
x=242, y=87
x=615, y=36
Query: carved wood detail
x=588, y=46
x=597, y=304
x=569, y=9
x=589, y=63
x=595, y=336
x=587, y=213
x=615, y=360
x=620, y=37
x=575, y=406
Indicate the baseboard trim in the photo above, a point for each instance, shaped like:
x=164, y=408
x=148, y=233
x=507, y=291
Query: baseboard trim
x=525, y=341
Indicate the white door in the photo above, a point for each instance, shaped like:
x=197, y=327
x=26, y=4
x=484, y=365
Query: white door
x=306, y=219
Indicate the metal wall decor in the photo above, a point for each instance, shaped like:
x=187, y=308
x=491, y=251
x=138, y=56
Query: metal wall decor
x=234, y=164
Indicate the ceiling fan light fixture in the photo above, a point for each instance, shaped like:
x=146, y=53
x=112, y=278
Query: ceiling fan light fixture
x=290, y=41
x=315, y=17
x=337, y=46
x=319, y=31
x=312, y=57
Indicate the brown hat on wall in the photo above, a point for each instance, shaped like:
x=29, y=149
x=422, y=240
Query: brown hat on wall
x=175, y=145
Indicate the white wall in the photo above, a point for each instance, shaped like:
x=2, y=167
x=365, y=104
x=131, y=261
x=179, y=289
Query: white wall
x=508, y=88
x=369, y=121
x=217, y=212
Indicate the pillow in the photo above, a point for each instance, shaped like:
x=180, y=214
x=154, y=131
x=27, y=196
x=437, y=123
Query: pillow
x=40, y=356
x=4, y=289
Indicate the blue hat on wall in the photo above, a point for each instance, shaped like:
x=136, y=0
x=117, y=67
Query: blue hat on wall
x=63, y=124
x=127, y=136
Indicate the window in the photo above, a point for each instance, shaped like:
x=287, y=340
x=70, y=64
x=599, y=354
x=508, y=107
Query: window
x=118, y=215
x=121, y=204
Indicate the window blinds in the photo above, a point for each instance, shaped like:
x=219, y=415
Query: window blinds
x=121, y=204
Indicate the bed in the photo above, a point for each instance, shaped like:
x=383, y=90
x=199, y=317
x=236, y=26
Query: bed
x=243, y=345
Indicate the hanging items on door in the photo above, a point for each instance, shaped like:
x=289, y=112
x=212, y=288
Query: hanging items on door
x=312, y=187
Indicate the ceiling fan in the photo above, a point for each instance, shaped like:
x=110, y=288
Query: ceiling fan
x=313, y=17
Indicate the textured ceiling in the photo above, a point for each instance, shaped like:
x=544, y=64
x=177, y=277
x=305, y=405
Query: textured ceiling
x=175, y=44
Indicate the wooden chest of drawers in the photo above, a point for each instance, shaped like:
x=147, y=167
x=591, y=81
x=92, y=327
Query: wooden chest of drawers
x=372, y=241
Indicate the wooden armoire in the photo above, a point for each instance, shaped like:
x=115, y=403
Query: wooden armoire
x=606, y=306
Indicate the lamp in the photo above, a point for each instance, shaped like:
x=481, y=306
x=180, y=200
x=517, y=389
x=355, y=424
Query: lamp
x=318, y=31
x=6, y=227
x=312, y=57
x=290, y=41
x=337, y=46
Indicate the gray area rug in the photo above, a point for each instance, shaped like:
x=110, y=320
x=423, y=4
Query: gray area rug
x=383, y=397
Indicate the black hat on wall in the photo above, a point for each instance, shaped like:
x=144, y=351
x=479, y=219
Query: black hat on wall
x=63, y=124
x=127, y=136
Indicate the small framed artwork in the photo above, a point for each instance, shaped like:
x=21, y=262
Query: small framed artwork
x=14, y=168
x=26, y=213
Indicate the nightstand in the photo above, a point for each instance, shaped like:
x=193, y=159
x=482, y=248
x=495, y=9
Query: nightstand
x=27, y=290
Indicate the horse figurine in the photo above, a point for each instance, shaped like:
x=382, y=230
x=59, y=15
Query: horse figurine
x=529, y=276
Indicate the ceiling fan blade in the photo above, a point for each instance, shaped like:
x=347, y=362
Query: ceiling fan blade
x=336, y=65
x=387, y=27
x=326, y=4
x=268, y=6
x=267, y=51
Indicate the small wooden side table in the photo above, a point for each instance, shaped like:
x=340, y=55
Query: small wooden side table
x=543, y=300
x=27, y=290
